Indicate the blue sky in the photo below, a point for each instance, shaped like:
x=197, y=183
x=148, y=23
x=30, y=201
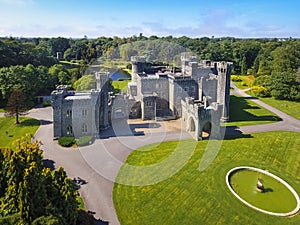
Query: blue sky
x=193, y=18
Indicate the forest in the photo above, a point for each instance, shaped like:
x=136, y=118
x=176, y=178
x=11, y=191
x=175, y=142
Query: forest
x=32, y=63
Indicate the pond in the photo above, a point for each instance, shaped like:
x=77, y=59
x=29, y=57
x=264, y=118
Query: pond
x=277, y=197
x=119, y=75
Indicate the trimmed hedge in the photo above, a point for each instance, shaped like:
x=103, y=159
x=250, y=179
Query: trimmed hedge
x=66, y=141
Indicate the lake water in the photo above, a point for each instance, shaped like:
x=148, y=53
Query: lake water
x=119, y=75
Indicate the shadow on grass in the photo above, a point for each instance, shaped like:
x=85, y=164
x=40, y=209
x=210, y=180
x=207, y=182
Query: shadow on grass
x=233, y=132
x=29, y=122
x=238, y=113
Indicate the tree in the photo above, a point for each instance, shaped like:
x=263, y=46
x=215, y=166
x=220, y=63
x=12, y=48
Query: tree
x=16, y=104
x=284, y=86
x=32, y=194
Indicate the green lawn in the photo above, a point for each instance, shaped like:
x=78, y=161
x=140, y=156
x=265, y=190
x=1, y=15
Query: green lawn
x=290, y=108
x=120, y=85
x=245, y=112
x=10, y=131
x=245, y=81
x=194, y=197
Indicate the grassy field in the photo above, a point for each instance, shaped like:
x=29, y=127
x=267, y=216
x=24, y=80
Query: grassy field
x=290, y=108
x=120, y=85
x=244, y=81
x=10, y=131
x=245, y=112
x=194, y=197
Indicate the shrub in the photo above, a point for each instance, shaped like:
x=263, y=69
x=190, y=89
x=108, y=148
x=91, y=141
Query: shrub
x=47, y=103
x=11, y=219
x=236, y=78
x=66, y=141
x=260, y=91
x=46, y=220
x=85, y=140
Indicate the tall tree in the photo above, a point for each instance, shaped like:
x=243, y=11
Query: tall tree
x=16, y=103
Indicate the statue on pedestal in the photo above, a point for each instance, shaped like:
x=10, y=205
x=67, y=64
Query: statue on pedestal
x=259, y=185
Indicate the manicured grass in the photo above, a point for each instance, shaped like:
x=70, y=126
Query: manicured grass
x=245, y=112
x=194, y=197
x=290, y=108
x=120, y=85
x=276, y=197
x=246, y=81
x=2, y=110
x=10, y=131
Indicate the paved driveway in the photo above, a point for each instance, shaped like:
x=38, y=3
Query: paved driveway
x=98, y=164
x=288, y=123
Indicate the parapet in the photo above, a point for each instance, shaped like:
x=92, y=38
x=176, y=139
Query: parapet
x=138, y=59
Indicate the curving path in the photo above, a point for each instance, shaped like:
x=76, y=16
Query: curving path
x=288, y=123
x=98, y=164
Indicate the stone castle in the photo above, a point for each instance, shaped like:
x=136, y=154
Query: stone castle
x=198, y=93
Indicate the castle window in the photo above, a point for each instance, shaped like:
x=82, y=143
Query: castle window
x=84, y=128
x=148, y=103
x=186, y=89
x=84, y=112
x=69, y=130
x=193, y=89
x=179, y=89
x=69, y=113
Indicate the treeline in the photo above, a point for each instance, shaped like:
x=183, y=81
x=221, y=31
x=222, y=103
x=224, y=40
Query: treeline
x=33, y=194
x=273, y=58
x=34, y=80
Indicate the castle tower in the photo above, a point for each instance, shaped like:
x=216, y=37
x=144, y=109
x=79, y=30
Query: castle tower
x=188, y=63
x=57, y=98
x=101, y=79
x=138, y=65
x=223, y=92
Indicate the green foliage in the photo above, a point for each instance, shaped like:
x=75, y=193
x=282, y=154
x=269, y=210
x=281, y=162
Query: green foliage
x=242, y=82
x=47, y=103
x=283, y=85
x=84, y=140
x=17, y=103
x=31, y=80
x=259, y=91
x=85, y=83
x=85, y=218
x=46, y=220
x=66, y=141
x=11, y=220
x=236, y=78
x=34, y=193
